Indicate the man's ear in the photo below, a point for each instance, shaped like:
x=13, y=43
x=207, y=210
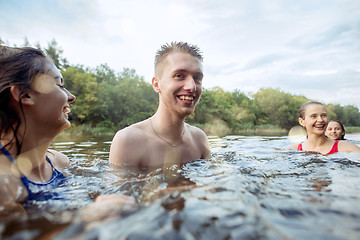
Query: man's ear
x=155, y=84
x=26, y=99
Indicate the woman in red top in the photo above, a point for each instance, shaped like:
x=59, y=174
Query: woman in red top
x=314, y=118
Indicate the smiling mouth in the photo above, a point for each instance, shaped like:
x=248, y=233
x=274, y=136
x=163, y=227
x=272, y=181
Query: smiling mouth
x=67, y=110
x=186, y=98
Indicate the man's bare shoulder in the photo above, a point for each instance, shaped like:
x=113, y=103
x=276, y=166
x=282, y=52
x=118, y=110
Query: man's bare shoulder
x=134, y=132
x=200, y=140
x=125, y=144
x=196, y=132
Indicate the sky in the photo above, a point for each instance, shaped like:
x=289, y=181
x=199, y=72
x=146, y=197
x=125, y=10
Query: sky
x=309, y=48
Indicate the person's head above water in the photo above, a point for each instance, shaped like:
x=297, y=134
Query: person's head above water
x=304, y=107
x=164, y=138
x=313, y=117
x=335, y=130
x=34, y=108
x=31, y=91
x=175, y=47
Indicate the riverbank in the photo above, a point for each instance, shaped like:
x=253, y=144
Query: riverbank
x=210, y=130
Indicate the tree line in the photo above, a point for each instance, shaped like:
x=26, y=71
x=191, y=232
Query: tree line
x=113, y=100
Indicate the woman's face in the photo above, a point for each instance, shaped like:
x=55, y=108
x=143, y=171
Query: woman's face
x=51, y=100
x=315, y=119
x=334, y=131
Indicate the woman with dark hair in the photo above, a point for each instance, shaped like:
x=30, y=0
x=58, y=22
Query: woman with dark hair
x=34, y=108
x=335, y=130
x=314, y=118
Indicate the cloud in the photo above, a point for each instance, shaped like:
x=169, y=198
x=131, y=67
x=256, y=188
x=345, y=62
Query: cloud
x=304, y=47
x=263, y=61
x=319, y=72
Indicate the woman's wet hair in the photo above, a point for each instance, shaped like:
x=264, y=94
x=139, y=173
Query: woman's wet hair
x=18, y=67
x=303, y=108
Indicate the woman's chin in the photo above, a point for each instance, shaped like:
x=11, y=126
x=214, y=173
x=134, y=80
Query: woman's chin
x=66, y=125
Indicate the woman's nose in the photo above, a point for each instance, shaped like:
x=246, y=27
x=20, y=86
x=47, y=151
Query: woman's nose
x=71, y=97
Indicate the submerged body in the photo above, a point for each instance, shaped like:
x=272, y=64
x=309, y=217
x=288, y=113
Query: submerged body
x=314, y=118
x=37, y=105
x=164, y=139
x=249, y=189
x=334, y=148
x=37, y=190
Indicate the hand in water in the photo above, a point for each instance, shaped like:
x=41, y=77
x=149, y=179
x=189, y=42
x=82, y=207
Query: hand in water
x=106, y=207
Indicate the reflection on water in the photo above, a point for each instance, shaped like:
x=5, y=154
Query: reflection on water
x=252, y=188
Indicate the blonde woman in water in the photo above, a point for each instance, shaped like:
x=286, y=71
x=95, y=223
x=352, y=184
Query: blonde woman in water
x=313, y=117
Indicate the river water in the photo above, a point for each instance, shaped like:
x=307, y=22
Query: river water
x=253, y=187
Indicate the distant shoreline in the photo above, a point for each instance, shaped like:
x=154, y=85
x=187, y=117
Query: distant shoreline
x=86, y=130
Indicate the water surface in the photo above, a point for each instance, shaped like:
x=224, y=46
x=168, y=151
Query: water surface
x=252, y=188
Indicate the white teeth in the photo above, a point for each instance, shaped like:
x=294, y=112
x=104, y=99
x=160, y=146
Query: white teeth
x=187, y=98
x=67, y=110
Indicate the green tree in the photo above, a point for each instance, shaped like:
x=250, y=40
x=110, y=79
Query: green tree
x=351, y=116
x=84, y=86
x=104, y=73
x=335, y=111
x=26, y=43
x=55, y=53
x=127, y=101
x=281, y=108
x=247, y=113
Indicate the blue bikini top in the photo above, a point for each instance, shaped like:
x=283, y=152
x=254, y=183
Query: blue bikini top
x=38, y=191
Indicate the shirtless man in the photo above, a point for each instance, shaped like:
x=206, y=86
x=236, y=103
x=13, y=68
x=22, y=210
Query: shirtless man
x=165, y=139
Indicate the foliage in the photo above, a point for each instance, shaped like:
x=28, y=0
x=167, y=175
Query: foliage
x=84, y=86
x=107, y=101
x=125, y=99
x=279, y=107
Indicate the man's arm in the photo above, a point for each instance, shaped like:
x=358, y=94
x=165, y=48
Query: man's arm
x=117, y=149
x=205, y=146
x=126, y=148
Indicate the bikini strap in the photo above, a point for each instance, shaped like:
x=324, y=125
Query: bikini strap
x=334, y=148
x=300, y=147
x=23, y=178
x=48, y=159
x=6, y=153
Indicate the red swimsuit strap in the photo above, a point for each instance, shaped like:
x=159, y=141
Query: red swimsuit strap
x=300, y=147
x=335, y=148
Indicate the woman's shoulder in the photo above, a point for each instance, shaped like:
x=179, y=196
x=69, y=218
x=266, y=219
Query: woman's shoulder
x=294, y=146
x=11, y=186
x=58, y=159
x=346, y=146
